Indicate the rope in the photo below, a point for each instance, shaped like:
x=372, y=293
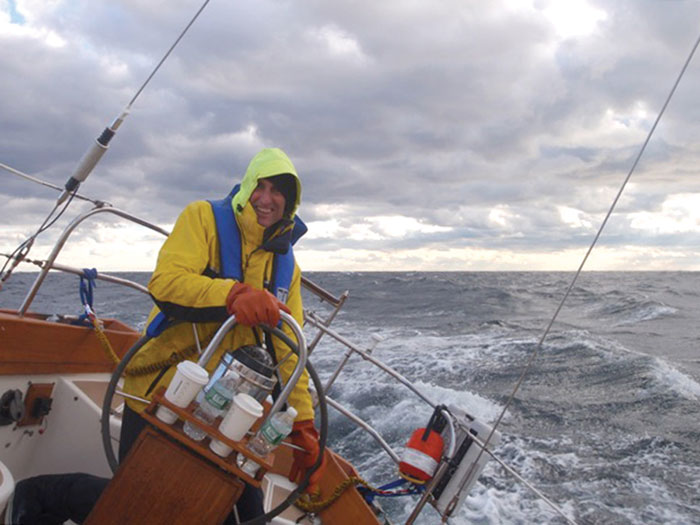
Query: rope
x=87, y=285
x=102, y=338
x=142, y=370
x=383, y=491
x=411, y=479
x=173, y=359
x=308, y=502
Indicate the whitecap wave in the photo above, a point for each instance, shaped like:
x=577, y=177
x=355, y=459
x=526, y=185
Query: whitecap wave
x=675, y=380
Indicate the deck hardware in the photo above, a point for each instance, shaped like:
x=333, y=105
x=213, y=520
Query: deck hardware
x=37, y=404
x=11, y=407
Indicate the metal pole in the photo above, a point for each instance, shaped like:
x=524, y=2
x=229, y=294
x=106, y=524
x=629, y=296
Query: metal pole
x=342, y=364
x=298, y=370
x=363, y=424
x=64, y=237
x=100, y=276
x=401, y=379
x=328, y=320
x=427, y=493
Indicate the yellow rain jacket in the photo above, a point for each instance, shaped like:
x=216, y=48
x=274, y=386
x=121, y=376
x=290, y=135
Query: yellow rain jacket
x=181, y=283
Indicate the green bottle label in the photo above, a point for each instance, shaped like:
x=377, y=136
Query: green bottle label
x=271, y=434
x=217, y=399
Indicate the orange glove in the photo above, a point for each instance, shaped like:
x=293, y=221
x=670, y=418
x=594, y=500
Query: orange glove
x=252, y=306
x=304, y=435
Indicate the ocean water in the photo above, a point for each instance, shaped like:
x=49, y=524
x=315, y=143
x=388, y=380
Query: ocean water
x=606, y=423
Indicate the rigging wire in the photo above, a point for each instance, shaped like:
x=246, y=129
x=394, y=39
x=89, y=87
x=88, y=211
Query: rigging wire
x=167, y=54
x=85, y=166
x=23, y=249
x=537, y=348
x=50, y=185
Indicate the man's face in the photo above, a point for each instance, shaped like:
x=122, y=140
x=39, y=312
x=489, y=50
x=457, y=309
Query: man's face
x=268, y=203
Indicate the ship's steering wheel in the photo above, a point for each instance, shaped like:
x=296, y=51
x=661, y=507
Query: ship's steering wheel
x=323, y=412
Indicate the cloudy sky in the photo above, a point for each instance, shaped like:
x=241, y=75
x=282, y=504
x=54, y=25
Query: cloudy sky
x=435, y=135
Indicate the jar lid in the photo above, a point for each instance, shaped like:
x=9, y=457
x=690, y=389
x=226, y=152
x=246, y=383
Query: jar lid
x=255, y=358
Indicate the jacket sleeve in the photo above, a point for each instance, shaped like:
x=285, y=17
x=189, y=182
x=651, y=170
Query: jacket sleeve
x=179, y=285
x=299, y=398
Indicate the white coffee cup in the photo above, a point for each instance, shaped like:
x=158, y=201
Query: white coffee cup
x=189, y=378
x=244, y=411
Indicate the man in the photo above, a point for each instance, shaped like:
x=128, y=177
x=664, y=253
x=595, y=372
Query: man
x=221, y=258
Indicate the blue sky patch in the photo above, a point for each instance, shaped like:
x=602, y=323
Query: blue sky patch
x=15, y=16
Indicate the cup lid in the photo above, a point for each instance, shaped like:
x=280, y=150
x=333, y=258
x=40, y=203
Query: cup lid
x=249, y=404
x=194, y=372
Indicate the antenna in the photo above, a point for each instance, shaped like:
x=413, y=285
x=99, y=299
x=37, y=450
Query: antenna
x=93, y=155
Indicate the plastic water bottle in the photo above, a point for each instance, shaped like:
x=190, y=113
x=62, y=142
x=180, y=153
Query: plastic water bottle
x=268, y=437
x=216, y=401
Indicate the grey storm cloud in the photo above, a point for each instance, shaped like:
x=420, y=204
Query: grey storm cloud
x=476, y=120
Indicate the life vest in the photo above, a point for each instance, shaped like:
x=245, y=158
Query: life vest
x=229, y=237
x=230, y=248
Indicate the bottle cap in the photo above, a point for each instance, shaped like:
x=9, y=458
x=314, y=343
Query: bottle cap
x=292, y=412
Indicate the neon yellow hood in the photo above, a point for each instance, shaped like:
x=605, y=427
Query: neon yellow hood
x=267, y=163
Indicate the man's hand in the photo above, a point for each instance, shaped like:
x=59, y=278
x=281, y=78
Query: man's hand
x=304, y=435
x=252, y=306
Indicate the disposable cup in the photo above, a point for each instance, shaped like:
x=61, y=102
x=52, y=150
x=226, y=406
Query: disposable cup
x=244, y=411
x=188, y=380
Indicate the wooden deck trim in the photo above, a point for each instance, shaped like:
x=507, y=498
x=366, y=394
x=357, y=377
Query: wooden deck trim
x=32, y=345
